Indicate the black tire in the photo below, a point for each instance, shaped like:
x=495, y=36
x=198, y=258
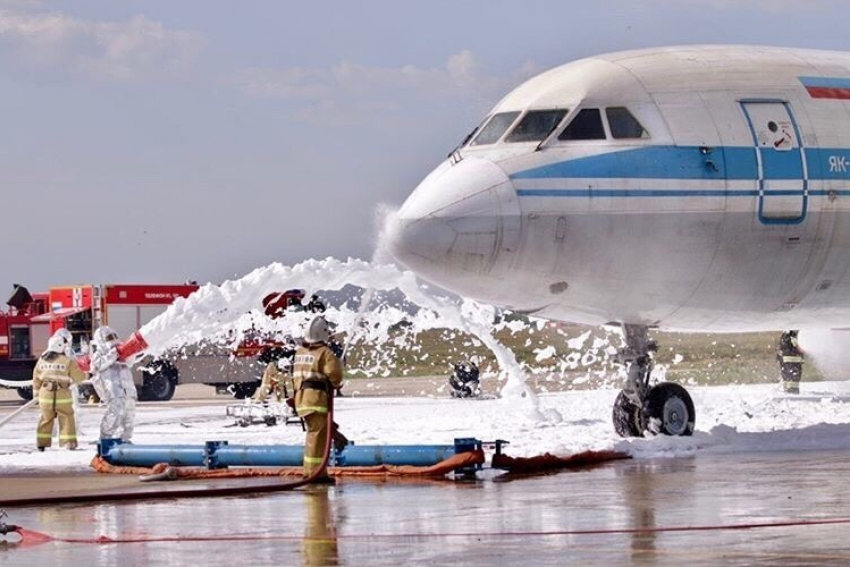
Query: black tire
x=669, y=410
x=160, y=385
x=242, y=390
x=25, y=393
x=627, y=417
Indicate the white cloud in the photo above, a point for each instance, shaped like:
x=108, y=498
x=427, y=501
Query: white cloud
x=461, y=65
x=346, y=92
x=128, y=50
x=354, y=77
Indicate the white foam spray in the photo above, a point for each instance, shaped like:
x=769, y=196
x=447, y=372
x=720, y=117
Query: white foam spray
x=222, y=314
x=828, y=350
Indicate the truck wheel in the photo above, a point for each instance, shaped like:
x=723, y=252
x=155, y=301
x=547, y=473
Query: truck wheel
x=159, y=386
x=242, y=390
x=25, y=393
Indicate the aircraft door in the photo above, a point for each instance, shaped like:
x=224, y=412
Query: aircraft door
x=782, y=175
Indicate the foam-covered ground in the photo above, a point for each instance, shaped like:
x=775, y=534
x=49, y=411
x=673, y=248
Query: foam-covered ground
x=730, y=419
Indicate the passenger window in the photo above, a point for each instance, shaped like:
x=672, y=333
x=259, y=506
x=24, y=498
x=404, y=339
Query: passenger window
x=495, y=128
x=587, y=125
x=536, y=125
x=623, y=125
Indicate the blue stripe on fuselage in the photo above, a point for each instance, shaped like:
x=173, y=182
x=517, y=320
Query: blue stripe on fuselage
x=672, y=193
x=689, y=162
x=826, y=82
x=654, y=162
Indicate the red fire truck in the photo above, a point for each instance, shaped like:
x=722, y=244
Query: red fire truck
x=83, y=308
x=21, y=338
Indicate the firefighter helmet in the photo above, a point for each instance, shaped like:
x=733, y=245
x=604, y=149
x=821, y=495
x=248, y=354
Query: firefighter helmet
x=105, y=338
x=60, y=342
x=318, y=330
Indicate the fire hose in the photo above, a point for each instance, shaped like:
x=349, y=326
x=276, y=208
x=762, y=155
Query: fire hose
x=134, y=346
x=35, y=537
x=187, y=493
x=18, y=411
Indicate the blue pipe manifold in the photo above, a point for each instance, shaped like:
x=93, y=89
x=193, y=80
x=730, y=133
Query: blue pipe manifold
x=221, y=454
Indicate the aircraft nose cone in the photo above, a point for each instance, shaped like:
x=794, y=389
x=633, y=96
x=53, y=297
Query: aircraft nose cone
x=454, y=224
x=418, y=240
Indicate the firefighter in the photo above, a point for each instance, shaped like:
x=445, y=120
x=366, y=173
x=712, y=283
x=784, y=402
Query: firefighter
x=464, y=380
x=316, y=305
x=317, y=369
x=278, y=370
x=273, y=382
x=113, y=382
x=790, y=362
x=54, y=373
x=274, y=379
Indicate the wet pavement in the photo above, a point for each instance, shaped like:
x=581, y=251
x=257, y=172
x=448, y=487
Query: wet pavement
x=494, y=521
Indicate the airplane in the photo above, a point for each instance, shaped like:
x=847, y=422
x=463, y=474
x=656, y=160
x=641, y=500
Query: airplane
x=692, y=188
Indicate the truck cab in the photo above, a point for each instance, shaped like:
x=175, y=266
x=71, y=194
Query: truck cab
x=22, y=339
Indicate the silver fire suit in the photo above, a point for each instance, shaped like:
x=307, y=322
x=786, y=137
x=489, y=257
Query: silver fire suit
x=113, y=382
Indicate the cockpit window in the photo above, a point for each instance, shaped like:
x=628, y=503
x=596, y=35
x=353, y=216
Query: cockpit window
x=536, y=126
x=623, y=125
x=495, y=128
x=587, y=125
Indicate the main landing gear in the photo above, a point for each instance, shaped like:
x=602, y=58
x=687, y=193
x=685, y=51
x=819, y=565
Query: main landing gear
x=664, y=408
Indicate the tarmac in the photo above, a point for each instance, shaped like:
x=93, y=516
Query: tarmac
x=778, y=508
x=704, y=510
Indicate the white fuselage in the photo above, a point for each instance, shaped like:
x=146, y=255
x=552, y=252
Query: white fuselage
x=691, y=188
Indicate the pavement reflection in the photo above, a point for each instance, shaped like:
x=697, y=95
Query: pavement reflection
x=659, y=511
x=320, y=545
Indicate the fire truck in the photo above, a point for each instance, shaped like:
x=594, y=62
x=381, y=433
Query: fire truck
x=81, y=309
x=21, y=338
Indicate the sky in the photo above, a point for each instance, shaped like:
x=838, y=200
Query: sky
x=161, y=141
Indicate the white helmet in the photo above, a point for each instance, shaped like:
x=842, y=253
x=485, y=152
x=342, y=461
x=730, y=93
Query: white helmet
x=318, y=330
x=60, y=342
x=105, y=338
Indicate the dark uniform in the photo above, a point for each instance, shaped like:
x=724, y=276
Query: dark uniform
x=316, y=370
x=790, y=362
x=464, y=380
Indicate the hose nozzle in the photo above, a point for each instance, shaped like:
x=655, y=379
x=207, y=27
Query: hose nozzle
x=4, y=527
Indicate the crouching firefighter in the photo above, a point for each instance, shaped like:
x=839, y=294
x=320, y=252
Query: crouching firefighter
x=54, y=373
x=113, y=382
x=278, y=370
x=790, y=362
x=317, y=370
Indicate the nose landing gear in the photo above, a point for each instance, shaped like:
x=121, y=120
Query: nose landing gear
x=665, y=408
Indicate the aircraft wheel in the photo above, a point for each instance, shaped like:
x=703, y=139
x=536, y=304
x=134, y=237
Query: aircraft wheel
x=668, y=409
x=627, y=417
